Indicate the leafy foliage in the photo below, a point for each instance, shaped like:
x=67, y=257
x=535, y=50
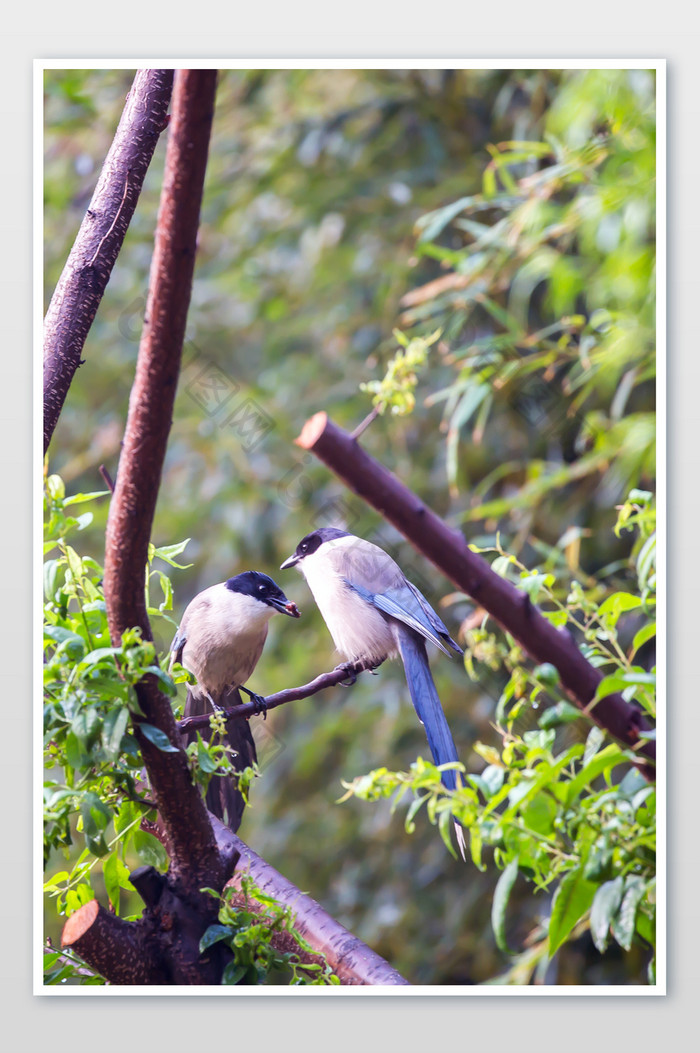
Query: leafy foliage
x=396, y=390
x=560, y=816
x=548, y=306
x=249, y=930
x=93, y=796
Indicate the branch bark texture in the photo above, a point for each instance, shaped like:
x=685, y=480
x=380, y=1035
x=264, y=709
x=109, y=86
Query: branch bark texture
x=88, y=268
x=194, y=857
x=448, y=550
x=350, y=959
x=116, y=949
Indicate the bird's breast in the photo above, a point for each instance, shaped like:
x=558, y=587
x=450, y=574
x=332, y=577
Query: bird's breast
x=224, y=644
x=358, y=629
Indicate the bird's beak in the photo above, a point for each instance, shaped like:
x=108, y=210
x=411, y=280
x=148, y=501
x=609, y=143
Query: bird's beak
x=291, y=562
x=286, y=608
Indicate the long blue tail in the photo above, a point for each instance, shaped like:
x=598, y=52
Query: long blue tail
x=429, y=709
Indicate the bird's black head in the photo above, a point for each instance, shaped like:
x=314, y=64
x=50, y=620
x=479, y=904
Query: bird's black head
x=311, y=543
x=262, y=588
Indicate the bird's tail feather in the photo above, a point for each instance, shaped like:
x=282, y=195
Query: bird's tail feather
x=223, y=798
x=429, y=709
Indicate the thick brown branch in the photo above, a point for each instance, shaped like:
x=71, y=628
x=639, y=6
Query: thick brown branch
x=290, y=694
x=194, y=857
x=161, y=948
x=88, y=268
x=118, y=950
x=350, y=959
x=449, y=551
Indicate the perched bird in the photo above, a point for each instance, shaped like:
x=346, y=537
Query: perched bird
x=373, y=612
x=220, y=640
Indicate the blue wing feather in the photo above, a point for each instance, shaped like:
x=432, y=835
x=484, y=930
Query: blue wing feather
x=409, y=606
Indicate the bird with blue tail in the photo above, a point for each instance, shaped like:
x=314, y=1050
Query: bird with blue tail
x=373, y=612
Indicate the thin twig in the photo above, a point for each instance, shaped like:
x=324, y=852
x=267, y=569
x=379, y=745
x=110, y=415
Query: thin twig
x=291, y=694
x=364, y=424
x=107, y=478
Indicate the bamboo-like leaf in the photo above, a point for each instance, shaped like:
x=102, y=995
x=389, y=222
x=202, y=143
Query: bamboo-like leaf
x=572, y=900
x=500, y=902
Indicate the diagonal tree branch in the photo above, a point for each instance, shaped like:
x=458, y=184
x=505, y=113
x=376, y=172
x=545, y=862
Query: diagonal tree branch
x=194, y=856
x=349, y=958
x=449, y=551
x=88, y=268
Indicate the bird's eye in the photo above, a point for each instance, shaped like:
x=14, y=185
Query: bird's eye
x=261, y=588
x=304, y=545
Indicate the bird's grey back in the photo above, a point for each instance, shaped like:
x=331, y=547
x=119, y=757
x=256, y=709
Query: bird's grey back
x=362, y=563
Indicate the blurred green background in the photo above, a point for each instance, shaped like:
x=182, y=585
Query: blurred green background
x=311, y=236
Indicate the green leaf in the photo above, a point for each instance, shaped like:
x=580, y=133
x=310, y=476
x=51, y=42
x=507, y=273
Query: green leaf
x=413, y=809
x=475, y=843
x=214, y=934
x=233, y=973
x=127, y=814
x=603, y=761
x=547, y=674
x=95, y=815
x=492, y=776
x=158, y=738
x=539, y=815
x=204, y=760
x=571, y=901
x=615, y=605
x=605, y=905
x=166, y=681
x=594, y=740
x=55, y=487
x=113, y=730
x=561, y=713
x=500, y=902
x=616, y=682
x=644, y=634
x=111, y=880
x=75, y=563
x=556, y=618
x=149, y=850
x=599, y=864
x=446, y=826
x=433, y=223
x=61, y=635
x=646, y=928
x=51, y=571
x=532, y=583
x=166, y=553
x=86, y=725
x=77, y=499
x=624, y=921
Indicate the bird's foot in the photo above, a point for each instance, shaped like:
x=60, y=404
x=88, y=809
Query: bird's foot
x=258, y=701
x=350, y=669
